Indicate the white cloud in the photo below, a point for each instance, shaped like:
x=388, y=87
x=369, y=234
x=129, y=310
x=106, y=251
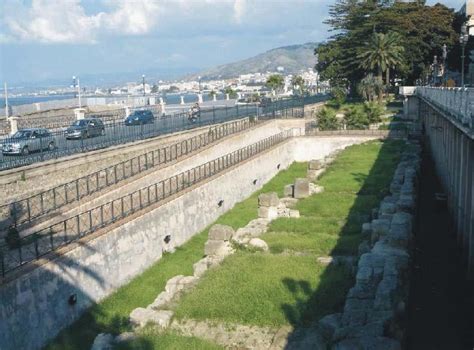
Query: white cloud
x=65, y=21
x=239, y=10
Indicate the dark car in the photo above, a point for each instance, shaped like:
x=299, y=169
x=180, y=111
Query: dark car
x=28, y=140
x=140, y=117
x=84, y=128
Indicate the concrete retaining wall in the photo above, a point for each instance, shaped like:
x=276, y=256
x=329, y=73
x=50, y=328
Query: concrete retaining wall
x=453, y=152
x=36, y=305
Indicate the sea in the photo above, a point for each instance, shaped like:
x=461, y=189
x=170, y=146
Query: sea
x=168, y=98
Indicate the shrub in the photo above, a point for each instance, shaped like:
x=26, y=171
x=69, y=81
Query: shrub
x=356, y=118
x=326, y=119
x=374, y=111
x=338, y=96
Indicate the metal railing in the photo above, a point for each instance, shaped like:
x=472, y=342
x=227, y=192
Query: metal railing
x=117, y=132
x=27, y=209
x=456, y=102
x=38, y=244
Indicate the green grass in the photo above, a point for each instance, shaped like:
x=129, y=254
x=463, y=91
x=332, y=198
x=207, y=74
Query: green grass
x=276, y=289
x=149, y=339
x=258, y=288
x=111, y=315
x=265, y=290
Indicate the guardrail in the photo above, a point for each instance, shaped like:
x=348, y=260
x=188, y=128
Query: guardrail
x=38, y=244
x=28, y=209
x=456, y=102
x=56, y=145
x=352, y=132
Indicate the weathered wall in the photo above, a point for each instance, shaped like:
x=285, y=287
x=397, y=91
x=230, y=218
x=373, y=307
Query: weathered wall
x=28, y=180
x=35, y=305
x=453, y=152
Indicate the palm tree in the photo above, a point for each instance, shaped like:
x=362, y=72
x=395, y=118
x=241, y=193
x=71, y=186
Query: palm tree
x=298, y=84
x=370, y=87
x=275, y=82
x=380, y=53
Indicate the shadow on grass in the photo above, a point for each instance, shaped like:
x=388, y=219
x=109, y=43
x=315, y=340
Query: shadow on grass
x=336, y=280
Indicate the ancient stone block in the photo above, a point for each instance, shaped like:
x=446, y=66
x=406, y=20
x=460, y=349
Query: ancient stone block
x=328, y=324
x=301, y=188
x=315, y=189
x=258, y=244
x=289, y=202
x=268, y=199
x=288, y=190
x=161, y=300
x=217, y=248
x=103, y=341
x=200, y=267
x=315, y=164
x=220, y=232
x=141, y=316
x=269, y=213
x=367, y=229
x=294, y=213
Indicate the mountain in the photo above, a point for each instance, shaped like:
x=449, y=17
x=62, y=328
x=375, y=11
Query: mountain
x=293, y=58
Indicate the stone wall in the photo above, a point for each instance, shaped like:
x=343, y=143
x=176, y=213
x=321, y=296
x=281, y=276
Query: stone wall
x=375, y=306
x=38, y=303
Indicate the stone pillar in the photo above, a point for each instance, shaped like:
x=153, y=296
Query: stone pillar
x=239, y=95
x=214, y=97
x=182, y=100
x=13, y=125
x=199, y=98
x=79, y=113
x=127, y=111
x=227, y=97
x=162, y=105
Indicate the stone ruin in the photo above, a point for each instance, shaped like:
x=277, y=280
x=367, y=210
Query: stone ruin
x=376, y=303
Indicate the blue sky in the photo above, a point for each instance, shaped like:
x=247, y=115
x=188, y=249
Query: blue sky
x=55, y=39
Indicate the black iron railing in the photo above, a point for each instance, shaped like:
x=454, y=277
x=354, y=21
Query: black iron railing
x=116, y=132
x=38, y=244
x=27, y=209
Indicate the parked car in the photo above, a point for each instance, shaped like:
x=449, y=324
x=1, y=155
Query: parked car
x=84, y=128
x=140, y=117
x=28, y=140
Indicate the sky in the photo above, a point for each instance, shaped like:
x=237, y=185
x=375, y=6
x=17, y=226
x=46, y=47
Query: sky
x=52, y=40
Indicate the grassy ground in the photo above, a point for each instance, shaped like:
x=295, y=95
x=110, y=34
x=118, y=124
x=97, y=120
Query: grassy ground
x=258, y=288
x=275, y=289
x=149, y=339
x=111, y=315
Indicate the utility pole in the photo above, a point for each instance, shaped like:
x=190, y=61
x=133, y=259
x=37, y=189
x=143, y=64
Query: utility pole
x=143, y=82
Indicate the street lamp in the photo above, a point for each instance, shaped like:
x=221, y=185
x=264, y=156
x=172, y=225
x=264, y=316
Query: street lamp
x=445, y=56
x=77, y=84
x=143, y=82
x=463, y=39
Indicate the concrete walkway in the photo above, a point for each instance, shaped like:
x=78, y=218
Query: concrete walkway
x=441, y=301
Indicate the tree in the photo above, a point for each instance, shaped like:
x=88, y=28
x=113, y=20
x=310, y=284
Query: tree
x=298, y=84
x=370, y=87
x=423, y=31
x=326, y=119
x=356, y=118
x=232, y=93
x=154, y=89
x=212, y=93
x=380, y=53
x=275, y=82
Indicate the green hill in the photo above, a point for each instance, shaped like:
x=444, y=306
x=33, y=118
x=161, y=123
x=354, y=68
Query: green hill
x=293, y=58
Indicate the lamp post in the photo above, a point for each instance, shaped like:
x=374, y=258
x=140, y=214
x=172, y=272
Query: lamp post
x=143, y=82
x=77, y=84
x=445, y=56
x=463, y=39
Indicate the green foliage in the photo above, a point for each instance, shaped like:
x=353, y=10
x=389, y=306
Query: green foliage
x=232, y=93
x=422, y=30
x=275, y=82
x=298, y=84
x=382, y=52
x=370, y=87
x=338, y=96
x=154, y=89
x=212, y=93
x=356, y=118
x=326, y=119
x=374, y=111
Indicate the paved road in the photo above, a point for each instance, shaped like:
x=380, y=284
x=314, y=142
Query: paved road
x=119, y=133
